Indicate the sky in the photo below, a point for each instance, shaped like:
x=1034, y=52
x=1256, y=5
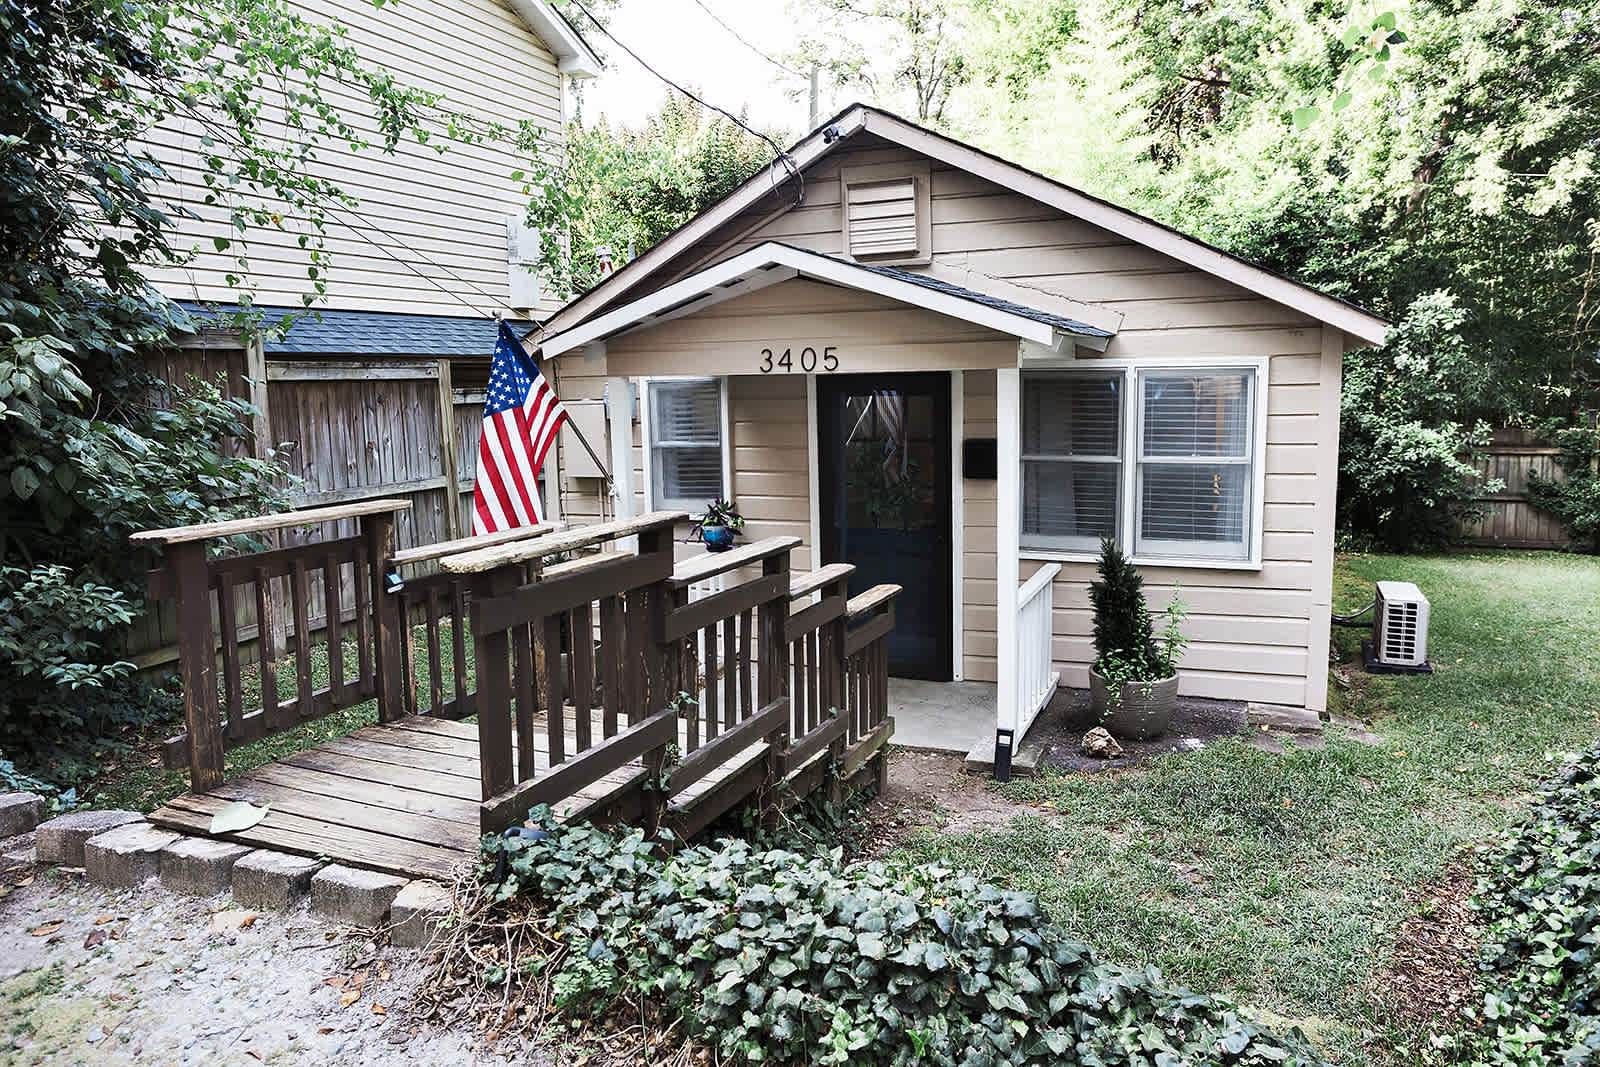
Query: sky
x=686, y=44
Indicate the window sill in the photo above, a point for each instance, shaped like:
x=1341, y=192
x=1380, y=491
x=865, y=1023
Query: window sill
x=1203, y=563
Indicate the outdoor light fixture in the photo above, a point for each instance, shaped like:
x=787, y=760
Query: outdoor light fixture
x=392, y=582
x=831, y=134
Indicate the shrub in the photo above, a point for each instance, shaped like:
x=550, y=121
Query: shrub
x=1405, y=482
x=774, y=956
x=1125, y=644
x=1541, y=905
x=1575, y=500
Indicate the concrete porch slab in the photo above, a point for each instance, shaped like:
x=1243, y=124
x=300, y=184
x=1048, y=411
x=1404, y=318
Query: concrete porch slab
x=942, y=716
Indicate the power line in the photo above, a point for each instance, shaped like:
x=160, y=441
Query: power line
x=779, y=154
x=737, y=37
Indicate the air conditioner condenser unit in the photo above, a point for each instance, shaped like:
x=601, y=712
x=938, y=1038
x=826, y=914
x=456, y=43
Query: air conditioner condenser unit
x=1399, y=630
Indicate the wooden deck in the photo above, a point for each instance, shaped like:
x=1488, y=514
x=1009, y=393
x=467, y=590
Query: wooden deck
x=401, y=796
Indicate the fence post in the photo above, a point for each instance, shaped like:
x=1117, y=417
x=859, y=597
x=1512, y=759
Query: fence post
x=197, y=662
x=492, y=660
x=831, y=653
x=650, y=618
x=378, y=531
x=772, y=665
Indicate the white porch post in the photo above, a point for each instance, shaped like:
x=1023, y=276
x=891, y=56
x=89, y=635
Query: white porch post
x=619, y=415
x=1008, y=533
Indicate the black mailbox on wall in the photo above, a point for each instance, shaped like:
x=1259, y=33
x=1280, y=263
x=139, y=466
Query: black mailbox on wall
x=978, y=459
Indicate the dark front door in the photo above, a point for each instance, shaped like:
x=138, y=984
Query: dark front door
x=885, y=453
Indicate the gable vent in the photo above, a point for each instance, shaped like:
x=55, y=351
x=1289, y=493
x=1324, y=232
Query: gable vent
x=882, y=218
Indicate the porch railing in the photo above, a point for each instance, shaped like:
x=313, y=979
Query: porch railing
x=597, y=673
x=1037, y=676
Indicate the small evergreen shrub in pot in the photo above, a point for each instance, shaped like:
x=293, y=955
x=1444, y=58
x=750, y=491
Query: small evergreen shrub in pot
x=1133, y=683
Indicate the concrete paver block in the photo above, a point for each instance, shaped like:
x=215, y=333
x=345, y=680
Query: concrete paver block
x=1283, y=717
x=199, y=866
x=19, y=813
x=264, y=880
x=126, y=856
x=61, y=840
x=354, y=896
x=418, y=912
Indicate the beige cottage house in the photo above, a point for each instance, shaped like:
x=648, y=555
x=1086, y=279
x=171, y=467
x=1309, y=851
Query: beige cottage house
x=960, y=375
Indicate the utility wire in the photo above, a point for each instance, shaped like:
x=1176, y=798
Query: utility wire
x=779, y=154
x=701, y=4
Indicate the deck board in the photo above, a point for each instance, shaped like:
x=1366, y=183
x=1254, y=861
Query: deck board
x=404, y=797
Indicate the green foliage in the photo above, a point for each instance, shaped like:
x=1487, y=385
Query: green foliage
x=627, y=189
x=1574, y=499
x=1125, y=644
x=779, y=956
x=1405, y=481
x=1540, y=902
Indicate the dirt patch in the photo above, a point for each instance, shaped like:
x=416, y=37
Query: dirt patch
x=96, y=976
x=932, y=789
x=1195, y=724
x=1430, y=976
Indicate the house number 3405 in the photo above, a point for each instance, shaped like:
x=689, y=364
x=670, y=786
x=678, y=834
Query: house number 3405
x=806, y=360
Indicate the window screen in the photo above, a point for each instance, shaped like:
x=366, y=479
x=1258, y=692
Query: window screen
x=1071, y=459
x=685, y=443
x=1196, y=476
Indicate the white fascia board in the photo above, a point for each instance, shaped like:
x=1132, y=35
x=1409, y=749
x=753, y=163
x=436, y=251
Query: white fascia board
x=777, y=262
x=575, y=57
x=806, y=152
x=1133, y=226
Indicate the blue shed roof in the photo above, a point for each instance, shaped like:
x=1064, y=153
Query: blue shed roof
x=327, y=331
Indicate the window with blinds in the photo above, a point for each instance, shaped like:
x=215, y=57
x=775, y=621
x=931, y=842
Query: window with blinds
x=1164, y=461
x=685, y=442
x=1071, y=459
x=1195, y=464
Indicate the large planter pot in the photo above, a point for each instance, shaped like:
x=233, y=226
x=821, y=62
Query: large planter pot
x=1142, y=710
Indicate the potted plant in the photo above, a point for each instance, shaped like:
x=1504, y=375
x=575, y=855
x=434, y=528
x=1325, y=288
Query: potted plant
x=1133, y=683
x=718, y=527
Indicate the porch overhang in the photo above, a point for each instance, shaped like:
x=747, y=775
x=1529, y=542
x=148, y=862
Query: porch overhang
x=772, y=262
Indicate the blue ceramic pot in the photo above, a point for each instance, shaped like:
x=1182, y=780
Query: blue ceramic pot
x=717, y=538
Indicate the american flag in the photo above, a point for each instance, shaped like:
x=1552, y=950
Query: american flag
x=521, y=417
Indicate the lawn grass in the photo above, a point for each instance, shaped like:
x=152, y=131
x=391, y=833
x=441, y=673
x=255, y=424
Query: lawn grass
x=133, y=777
x=1277, y=879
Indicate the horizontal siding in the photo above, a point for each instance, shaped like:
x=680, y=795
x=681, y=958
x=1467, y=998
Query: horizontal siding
x=1256, y=635
x=428, y=232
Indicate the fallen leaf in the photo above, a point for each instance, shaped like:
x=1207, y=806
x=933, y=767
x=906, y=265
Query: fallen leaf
x=26, y=881
x=240, y=815
x=252, y=1052
x=379, y=1009
x=349, y=998
x=230, y=921
x=324, y=1029
x=47, y=929
x=96, y=937
x=105, y=919
x=335, y=982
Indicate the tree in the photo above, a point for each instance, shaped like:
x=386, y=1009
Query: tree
x=627, y=189
x=887, y=51
x=91, y=445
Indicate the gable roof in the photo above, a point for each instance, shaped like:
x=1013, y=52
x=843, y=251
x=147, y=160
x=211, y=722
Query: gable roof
x=828, y=138
x=773, y=262
x=560, y=36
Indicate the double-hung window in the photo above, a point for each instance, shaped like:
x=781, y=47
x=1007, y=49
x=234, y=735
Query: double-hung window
x=685, y=441
x=1164, y=461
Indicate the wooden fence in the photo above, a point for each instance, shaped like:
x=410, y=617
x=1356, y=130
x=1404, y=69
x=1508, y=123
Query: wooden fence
x=613, y=684
x=356, y=431
x=1511, y=520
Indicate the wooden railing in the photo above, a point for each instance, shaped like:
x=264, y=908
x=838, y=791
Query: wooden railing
x=613, y=679
x=208, y=594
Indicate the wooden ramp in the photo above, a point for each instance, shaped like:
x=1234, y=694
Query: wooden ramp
x=401, y=797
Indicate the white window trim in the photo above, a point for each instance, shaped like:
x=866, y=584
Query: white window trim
x=646, y=407
x=1129, y=487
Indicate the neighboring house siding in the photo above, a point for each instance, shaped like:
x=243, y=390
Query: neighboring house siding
x=443, y=214
x=1257, y=634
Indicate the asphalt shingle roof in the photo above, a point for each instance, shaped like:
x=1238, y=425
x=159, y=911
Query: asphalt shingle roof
x=1060, y=322
x=372, y=333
